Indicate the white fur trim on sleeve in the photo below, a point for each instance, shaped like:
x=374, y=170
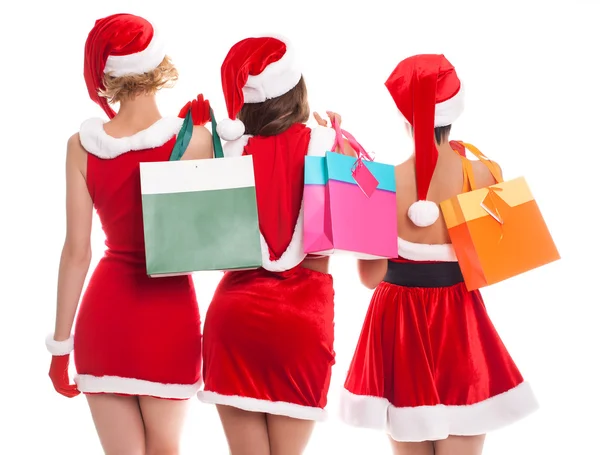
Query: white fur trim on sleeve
x=447, y=112
x=276, y=79
x=138, y=63
x=95, y=140
x=293, y=255
x=233, y=149
x=59, y=347
x=321, y=141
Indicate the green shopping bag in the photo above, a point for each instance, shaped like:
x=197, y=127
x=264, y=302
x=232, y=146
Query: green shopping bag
x=199, y=215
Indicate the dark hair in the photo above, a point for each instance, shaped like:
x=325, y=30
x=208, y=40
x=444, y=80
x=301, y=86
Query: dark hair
x=276, y=115
x=442, y=133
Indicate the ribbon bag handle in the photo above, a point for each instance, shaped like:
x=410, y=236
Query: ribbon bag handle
x=339, y=141
x=185, y=135
x=217, y=146
x=492, y=167
x=183, y=138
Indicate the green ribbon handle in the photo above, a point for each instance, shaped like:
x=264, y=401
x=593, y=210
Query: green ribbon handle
x=218, y=148
x=183, y=138
x=185, y=135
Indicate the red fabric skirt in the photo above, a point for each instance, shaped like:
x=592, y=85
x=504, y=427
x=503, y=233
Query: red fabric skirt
x=268, y=342
x=137, y=335
x=429, y=364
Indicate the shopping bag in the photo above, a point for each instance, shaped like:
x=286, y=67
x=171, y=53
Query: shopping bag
x=349, y=204
x=497, y=232
x=199, y=215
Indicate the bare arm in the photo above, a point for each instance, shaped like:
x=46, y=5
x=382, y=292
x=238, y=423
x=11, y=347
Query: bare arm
x=76, y=253
x=372, y=272
x=200, y=146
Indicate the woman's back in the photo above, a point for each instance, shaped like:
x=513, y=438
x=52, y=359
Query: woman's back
x=447, y=182
x=113, y=180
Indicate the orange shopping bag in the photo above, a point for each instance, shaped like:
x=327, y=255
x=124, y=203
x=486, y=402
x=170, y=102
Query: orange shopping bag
x=497, y=232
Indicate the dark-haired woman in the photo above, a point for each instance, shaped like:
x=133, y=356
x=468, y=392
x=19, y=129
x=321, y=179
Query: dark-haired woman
x=268, y=337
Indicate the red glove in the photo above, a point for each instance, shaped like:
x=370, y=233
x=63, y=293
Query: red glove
x=200, y=110
x=59, y=367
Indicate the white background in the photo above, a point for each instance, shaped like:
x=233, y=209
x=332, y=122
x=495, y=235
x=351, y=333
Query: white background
x=532, y=87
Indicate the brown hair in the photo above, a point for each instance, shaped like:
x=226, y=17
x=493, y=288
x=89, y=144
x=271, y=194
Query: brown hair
x=117, y=89
x=276, y=115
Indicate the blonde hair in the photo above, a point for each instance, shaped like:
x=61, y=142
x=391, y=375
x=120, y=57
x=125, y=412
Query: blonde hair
x=117, y=89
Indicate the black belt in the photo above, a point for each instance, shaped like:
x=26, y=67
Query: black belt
x=423, y=275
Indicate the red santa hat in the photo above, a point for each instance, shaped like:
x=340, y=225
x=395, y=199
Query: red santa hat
x=429, y=94
x=255, y=70
x=119, y=45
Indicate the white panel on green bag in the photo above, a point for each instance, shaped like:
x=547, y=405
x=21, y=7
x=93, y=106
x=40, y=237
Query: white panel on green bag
x=164, y=177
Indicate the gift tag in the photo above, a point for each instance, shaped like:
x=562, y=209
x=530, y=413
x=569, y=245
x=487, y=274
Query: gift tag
x=364, y=178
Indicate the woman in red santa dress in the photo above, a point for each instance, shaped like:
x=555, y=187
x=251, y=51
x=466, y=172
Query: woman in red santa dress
x=429, y=367
x=136, y=342
x=268, y=334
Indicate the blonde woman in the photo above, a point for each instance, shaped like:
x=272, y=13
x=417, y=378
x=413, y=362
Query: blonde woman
x=137, y=341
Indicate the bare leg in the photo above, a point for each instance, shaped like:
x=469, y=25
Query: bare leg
x=246, y=432
x=460, y=445
x=119, y=424
x=163, y=420
x=288, y=436
x=413, y=448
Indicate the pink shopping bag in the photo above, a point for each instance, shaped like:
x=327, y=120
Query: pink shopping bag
x=349, y=204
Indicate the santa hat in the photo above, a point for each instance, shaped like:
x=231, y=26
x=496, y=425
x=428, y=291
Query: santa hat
x=255, y=70
x=119, y=45
x=429, y=94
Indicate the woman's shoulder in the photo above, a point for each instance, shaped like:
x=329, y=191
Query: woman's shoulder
x=95, y=140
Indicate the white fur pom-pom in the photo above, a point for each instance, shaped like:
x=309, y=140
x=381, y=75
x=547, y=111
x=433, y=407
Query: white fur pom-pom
x=424, y=213
x=230, y=130
x=59, y=347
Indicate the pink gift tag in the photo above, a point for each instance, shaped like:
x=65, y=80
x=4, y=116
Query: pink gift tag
x=364, y=178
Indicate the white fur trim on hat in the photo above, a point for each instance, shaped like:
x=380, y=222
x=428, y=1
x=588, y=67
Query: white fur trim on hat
x=447, y=112
x=424, y=213
x=94, y=139
x=138, y=63
x=59, y=347
x=276, y=79
x=230, y=130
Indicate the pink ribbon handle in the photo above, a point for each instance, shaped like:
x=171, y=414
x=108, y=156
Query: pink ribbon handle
x=339, y=141
x=364, y=178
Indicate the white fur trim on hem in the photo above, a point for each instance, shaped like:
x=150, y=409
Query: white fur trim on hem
x=321, y=141
x=425, y=252
x=276, y=79
x=447, y=112
x=282, y=408
x=138, y=63
x=432, y=423
x=128, y=386
x=58, y=348
x=293, y=255
x=233, y=149
x=94, y=139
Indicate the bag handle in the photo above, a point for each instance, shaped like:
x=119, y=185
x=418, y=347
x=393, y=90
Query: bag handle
x=185, y=135
x=468, y=167
x=339, y=141
x=217, y=146
x=183, y=138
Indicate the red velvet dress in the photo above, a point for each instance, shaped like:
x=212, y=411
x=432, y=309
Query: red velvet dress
x=429, y=362
x=134, y=335
x=268, y=334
